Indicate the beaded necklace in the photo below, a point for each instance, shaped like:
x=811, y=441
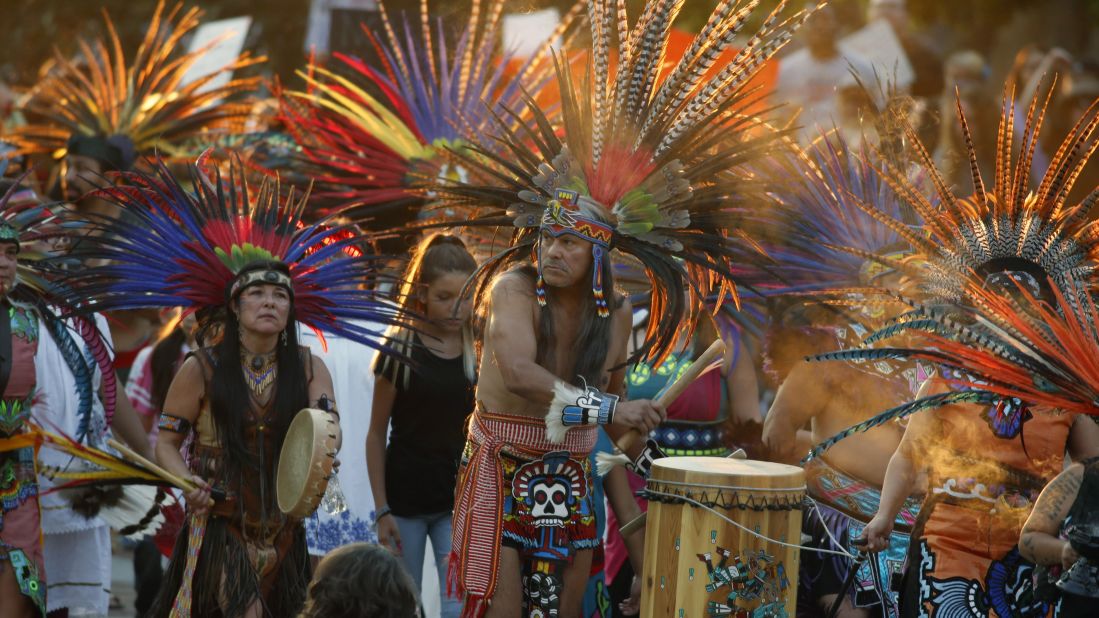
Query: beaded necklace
x=259, y=371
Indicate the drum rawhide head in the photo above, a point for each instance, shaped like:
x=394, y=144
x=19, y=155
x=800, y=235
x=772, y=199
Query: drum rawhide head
x=305, y=462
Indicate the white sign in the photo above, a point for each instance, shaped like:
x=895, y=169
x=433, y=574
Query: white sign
x=320, y=21
x=225, y=39
x=524, y=33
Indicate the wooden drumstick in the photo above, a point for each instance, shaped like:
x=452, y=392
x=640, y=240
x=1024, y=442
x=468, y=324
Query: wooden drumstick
x=128, y=453
x=712, y=354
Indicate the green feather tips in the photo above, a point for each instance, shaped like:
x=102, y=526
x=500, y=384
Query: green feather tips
x=8, y=233
x=638, y=213
x=240, y=256
x=575, y=183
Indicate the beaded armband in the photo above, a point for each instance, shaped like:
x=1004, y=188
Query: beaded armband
x=572, y=406
x=174, y=423
x=642, y=465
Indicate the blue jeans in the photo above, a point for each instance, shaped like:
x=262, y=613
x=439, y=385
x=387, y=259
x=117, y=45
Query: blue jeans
x=414, y=534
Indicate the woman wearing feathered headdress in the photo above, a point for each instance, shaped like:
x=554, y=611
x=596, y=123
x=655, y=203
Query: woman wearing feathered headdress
x=241, y=260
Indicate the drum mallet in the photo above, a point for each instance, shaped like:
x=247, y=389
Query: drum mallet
x=185, y=484
x=860, y=559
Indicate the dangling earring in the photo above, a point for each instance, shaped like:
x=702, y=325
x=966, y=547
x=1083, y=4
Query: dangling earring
x=284, y=339
x=540, y=284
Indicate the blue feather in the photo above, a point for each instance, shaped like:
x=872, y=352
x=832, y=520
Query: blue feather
x=79, y=366
x=907, y=409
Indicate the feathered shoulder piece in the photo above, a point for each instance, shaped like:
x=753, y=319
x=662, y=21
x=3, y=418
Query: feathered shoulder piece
x=188, y=247
x=1003, y=349
x=377, y=136
x=651, y=162
x=1011, y=224
x=137, y=103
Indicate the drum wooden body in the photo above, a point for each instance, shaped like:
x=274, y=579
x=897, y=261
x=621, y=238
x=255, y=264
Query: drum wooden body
x=697, y=564
x=305, y=462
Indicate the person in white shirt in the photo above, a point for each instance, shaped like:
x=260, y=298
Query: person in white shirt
x=811, y=83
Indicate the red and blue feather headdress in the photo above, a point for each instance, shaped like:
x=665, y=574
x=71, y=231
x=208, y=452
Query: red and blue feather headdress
x=382, y=152
x=185, y=248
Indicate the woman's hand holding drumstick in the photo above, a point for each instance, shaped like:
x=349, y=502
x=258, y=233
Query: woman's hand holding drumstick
x=197, y=491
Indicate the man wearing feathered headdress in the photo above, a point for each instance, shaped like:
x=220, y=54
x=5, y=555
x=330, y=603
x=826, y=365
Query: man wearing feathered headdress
x=648, y=165
x=100, y=112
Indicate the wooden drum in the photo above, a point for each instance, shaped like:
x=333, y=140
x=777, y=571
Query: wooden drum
x=305, y=462
x=697, y=564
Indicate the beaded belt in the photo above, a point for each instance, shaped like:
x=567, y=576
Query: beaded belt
x=695, y=439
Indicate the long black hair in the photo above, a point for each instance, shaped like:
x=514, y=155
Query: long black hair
x=229, y=394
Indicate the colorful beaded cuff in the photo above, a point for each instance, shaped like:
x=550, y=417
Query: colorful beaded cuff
x=174, y=423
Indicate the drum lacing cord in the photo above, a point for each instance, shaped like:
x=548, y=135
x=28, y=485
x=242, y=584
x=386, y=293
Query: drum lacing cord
x=827, y=531
x=728, y=496
x=668, y=497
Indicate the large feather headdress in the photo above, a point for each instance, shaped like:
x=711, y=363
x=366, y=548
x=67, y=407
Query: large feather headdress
x=825, y=239
x=651, y=163
x=376, y=137
x=1033, y=234
x=188, y=248
x=140, y=104
x=1020, y=263
x=31, y=223
x=1005, y=350
x=829, y=256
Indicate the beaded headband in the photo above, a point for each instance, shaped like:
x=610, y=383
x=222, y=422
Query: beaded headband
x=559, y=219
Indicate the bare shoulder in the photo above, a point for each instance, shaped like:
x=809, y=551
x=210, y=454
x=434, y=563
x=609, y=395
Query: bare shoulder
x=512, y=283
x=511, y=302
x=513, y=290
x=190, y=375
x=319, y=368
x=187, y=390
